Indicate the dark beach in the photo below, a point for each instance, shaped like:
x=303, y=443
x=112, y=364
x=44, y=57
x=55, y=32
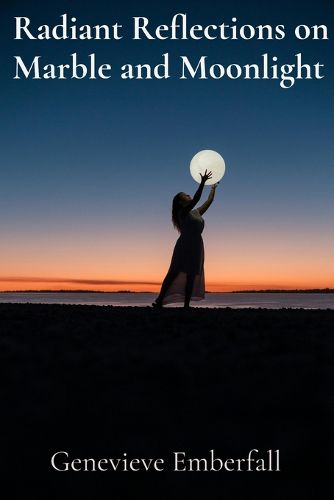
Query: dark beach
x=101, y=381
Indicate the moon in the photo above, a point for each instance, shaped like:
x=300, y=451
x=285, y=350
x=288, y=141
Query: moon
x=207, y=160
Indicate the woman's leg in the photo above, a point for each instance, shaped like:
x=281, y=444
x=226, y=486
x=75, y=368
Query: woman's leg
x=169, y=278
x=189, y=289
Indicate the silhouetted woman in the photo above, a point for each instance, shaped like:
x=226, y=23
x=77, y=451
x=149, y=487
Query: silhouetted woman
x=185, y=277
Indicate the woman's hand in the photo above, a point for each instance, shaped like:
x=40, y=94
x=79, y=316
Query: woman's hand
x=213, y=187
x=206, y=176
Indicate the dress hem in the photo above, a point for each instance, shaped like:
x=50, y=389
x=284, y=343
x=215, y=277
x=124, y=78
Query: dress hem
x=176, y=298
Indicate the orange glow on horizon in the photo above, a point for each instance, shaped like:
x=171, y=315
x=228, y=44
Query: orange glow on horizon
x=236, y=258
x=11, y=284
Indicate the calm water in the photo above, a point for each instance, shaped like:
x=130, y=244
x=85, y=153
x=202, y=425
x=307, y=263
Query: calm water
x=234, y=300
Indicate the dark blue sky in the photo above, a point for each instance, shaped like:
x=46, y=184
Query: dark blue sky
x=92, y=158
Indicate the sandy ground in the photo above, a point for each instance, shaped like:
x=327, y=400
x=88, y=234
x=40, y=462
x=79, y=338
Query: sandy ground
x=101, y=381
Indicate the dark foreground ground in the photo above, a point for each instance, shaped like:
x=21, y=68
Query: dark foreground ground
x=101, y=381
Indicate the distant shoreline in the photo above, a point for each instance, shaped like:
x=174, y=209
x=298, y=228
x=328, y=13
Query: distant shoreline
x=309, y=290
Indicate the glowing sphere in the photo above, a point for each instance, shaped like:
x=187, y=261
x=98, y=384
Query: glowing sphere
x=207, y=160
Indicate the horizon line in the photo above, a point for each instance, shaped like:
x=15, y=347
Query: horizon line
x=260, y=290
x=217, y=286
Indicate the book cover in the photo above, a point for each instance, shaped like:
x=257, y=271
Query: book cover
x=113, y=387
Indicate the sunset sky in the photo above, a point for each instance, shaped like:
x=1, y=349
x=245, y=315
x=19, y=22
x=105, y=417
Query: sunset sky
x=89, y=168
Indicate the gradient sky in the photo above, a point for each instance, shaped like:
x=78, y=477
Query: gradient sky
x=89, y=168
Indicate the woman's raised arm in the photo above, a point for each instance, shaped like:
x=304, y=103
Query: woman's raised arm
x=206, y=176
x=203, y=208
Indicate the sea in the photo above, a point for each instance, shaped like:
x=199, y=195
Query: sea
x=233, y=300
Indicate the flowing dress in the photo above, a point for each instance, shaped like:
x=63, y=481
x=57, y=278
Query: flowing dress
x=187, y=258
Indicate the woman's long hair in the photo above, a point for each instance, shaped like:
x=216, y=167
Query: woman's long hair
x=176, y=212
